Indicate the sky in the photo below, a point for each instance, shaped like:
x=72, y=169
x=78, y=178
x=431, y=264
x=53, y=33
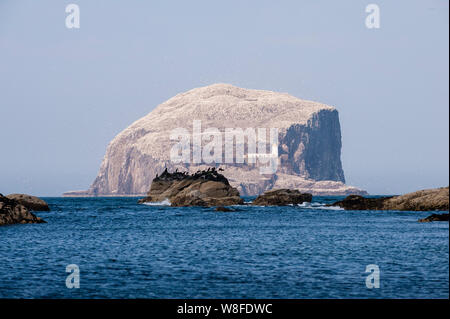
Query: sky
x=65, y=93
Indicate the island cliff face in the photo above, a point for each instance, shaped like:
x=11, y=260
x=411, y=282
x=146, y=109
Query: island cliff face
x=309, y=143
x=314, y=149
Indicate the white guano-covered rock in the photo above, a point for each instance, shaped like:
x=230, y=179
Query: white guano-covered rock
x=309, y=142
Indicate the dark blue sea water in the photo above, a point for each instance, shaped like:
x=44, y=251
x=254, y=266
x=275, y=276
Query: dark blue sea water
x=127, y=250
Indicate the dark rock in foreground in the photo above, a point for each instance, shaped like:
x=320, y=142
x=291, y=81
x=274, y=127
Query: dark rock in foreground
x=12, y=212
x=282, y=197
x=435, y=218
x=30, y=202
x=205, y=188
x=423, y=200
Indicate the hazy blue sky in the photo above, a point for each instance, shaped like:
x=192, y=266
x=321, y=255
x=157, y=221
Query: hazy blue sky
x=65, y=93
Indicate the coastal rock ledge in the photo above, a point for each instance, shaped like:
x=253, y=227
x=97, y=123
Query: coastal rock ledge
x=424, y=200
x=12, y=212
x=203, y=188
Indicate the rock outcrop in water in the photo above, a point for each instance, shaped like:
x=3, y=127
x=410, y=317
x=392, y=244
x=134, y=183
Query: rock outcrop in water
x=309, y=143
x=423, y=200
x=435, y=218
x=356, y=202
x=30, y=202
x=12, y=212
x=282, y=197
x=204, y=188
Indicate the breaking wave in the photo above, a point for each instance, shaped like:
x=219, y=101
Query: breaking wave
x=319, y=206
x=165, y=202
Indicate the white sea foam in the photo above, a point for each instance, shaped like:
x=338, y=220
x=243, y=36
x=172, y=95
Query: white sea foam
x=319, y=206
x=165, y=202
x=330, y=208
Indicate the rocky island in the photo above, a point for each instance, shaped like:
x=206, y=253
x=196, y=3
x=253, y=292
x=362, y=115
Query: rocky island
x=309, y=143
x=13, y=212
x=202, y=188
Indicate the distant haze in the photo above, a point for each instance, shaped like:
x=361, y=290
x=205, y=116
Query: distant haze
x=65, y=93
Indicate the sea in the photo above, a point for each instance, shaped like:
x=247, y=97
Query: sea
x=113, y=247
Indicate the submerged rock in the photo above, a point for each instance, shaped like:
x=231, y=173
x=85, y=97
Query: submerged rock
x=30, y=202
x=435, y=218
x=223, y=209
x=206, y=188
x=282, y=197
x=423, y=200
x=12, y=212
